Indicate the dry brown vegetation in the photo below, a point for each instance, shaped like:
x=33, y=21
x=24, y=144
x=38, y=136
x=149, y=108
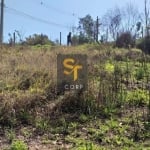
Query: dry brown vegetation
x=112, y=114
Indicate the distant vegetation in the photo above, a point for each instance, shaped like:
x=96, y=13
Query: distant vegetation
x=124, y=27
x=36, y=39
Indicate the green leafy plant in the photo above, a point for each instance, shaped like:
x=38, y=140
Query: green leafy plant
x=109, y=67
x=18, y=145
x=83, y=118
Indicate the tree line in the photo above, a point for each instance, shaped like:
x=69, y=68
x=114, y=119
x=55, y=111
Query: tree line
x=124, y=27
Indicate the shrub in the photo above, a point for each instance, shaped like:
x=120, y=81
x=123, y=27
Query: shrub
x=77, y=103
x=38, y=39
x=80, y=40
x=140, y=73
x=83, y=118
x=144, y=44
x=18, y=145
x=125, y=40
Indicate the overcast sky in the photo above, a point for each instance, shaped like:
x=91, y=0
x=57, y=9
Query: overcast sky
x=51, y=17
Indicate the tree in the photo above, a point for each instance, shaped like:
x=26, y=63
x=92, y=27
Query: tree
x=131, y=16
x=120, y=20
x=132, y=20
x=144, y=43
x=146, y=13
x=112, y=21
x=86, y=27
x=20, y=34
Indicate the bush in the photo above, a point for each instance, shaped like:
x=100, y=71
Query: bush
x=81, y=39
x=77, y=103
x=38, y=39
x=125, y=40
x=144, y=44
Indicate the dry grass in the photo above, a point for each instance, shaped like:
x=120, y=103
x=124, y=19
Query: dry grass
x=28, y=93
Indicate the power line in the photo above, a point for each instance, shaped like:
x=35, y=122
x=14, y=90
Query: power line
x=60, y=11
x=21, y=13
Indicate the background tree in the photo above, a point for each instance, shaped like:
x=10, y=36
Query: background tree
x=86, y=28
x=131, y=19
x=144, y=43
x=112, y=21
x=146, y=13
x=20, y=35
x=118, y=22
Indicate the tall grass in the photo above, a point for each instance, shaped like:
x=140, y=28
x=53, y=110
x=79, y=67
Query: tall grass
x=118, y=81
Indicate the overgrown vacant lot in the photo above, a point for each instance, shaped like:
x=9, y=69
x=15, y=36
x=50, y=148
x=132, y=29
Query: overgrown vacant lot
x=114, y=112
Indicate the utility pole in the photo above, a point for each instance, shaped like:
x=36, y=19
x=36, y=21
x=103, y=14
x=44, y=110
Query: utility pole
x=146, y=17
x=107, y=32
x=60, y=39
x=1, y=21
x=97, y=28
x=142, y=32
x=14, y=38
